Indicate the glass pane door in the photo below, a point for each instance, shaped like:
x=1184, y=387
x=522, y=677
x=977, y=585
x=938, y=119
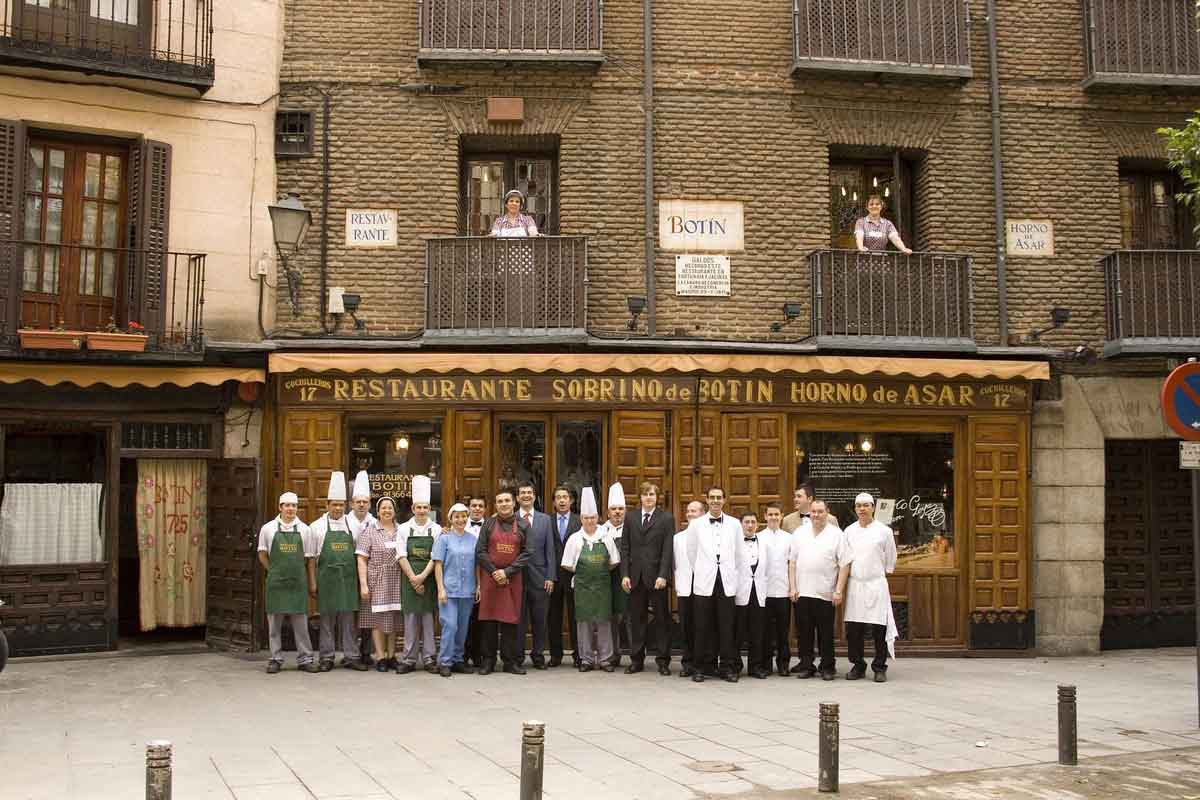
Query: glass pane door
x=579, y=456
x=521, y=449
x=485, y=196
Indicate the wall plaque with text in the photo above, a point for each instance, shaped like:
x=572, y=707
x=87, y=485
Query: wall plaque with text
x=702, y=275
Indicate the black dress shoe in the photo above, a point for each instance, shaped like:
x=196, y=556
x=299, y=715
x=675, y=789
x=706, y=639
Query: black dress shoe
x=697, y=677
x=761, y=674
x=855, y=674
x=635, y=667
x=664, y=669
x=730, y=677
x=514, y=669
x=539, y=664
x=585, y=668
x=687, y=672
x=273, y=667
x=326, y=666
x=608, y=668
x=880, y=676
x=404, y=669
x=445, y=672
x=806, y=673
x=796, y=669
x=488, y=668
x=381, y=665
x=828, y=676
x=577, y=661
x=556, y=662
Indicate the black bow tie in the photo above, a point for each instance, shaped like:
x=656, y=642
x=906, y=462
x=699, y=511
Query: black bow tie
x=714, y=520
x=752, y=539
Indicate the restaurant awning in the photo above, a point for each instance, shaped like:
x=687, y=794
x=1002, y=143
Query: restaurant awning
x=85, y=375
x=666, y=362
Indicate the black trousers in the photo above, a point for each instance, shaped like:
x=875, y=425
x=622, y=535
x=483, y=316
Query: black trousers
x=814, y=617
x=537, y=603
x=856, y=633
x=563, y=599
x=510, y=649
x=644, y=600
x=471, y=652
x=687, y=628
x=748, y=632
x=775, y=633
x=714, y=631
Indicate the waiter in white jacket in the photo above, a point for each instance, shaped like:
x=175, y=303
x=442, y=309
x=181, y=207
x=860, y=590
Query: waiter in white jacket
x=868, y=599
x=754, y=573
x=714, y=540
x=682, y=560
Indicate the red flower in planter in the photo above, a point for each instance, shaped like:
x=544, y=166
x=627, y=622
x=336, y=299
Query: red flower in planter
x=136, y=327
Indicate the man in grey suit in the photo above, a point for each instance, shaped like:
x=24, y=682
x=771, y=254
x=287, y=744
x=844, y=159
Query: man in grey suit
x=540, y=573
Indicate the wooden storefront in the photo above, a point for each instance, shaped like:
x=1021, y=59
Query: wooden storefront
x=953, y=433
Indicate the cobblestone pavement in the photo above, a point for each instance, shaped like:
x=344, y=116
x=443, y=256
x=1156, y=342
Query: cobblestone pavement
x=77, y=729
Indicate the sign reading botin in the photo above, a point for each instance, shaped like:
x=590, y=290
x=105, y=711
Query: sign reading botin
x=698, y=226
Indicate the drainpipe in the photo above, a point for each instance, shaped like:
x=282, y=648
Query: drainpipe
x=648, y=106
x=997, y=173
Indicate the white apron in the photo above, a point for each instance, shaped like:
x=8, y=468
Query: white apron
x=868, y=598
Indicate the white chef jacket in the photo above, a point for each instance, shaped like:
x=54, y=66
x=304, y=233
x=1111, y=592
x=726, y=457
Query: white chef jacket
x=317, y=530
x=715, y=548
x=266, y=534
x=574, y=547
x=613, y=531
x=683, y=564
x=752, y=570
x=357, y=527
x=868, y=599
x=411, y=528
x=777, y=546
x=818, y=558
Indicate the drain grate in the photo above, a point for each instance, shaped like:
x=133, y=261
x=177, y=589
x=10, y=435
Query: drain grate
x=713, y=766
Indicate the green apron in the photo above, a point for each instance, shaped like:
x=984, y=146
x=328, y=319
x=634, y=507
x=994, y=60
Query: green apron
x=593, y=584
x=420, y=551
x=337, y=574
x=287, y=584
x=620, y=600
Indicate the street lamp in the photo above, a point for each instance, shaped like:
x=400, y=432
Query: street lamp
x=290, y=220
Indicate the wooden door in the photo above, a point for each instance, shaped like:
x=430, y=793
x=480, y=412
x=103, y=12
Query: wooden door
x=313, y=450
x=233, y=521
x=697, y=457
x=753, y=446
x=639, y=452
x=1000, y=567
x=1149, y=581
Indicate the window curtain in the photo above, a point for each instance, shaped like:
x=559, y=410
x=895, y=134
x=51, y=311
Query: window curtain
x=51, y=523
x=172, y=527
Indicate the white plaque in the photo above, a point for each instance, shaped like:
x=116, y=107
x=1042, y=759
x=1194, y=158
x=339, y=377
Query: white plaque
x=700, y=225
x=370, y=227
x=1033, y=238
x=702, y=275
x=1189, y=455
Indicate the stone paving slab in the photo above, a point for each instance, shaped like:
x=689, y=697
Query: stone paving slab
x=77, y=728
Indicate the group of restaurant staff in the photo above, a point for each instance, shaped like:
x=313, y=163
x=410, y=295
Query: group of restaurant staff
x=489, y=579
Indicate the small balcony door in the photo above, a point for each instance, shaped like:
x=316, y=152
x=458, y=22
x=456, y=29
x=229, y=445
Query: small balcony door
x=74, y=213
x=853, y=181
x=108, y=25
x=1151, y=218
x=487, y=178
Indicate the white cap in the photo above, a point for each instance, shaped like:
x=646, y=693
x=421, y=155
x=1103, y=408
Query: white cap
x=362, y=486
x=863, y=497
x=420, y=489
x=289, y=497
x=457, y=507
x=337, y=487
x=587, y=503
x=616, y=495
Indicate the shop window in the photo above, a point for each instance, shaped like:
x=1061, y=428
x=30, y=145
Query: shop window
x=910, y=475
x=855, y=176
x=1151, y=217
x=493, y=166
x=392, y=452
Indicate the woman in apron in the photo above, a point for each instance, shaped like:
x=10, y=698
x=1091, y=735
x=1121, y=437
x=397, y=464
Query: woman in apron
x=591, y=553
x=418, y=593
x=379, y=580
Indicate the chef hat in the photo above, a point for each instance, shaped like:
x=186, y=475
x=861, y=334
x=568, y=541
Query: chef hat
x=457, y=507
x=616, y=495
x=420, y=489
x=337, y=486
x=863, y=497
x=362, y=485
x=289, y=497
x=587, y=503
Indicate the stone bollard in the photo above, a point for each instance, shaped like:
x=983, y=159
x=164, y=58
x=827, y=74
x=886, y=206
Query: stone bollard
x=533, y=751
x=1068, y=731
x=158, y=770
x=827, y=758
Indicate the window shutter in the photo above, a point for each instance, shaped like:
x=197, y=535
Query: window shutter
x=12, y=162
x=149, y=214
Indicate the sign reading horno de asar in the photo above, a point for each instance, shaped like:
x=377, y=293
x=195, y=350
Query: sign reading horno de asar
x=700, y=225
x=370, y=227
x=700, y=275
x=1033, y=238
x=581, y=390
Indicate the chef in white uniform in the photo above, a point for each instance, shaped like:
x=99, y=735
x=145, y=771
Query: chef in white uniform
x=614, y=528
x=868, y=599
x=714, y=540
x=682, y=568
x=333, y=578
x=414, y=551
x=360, y=515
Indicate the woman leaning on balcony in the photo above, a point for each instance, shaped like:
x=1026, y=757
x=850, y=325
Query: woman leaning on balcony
x=873, y=232
x=512, y=222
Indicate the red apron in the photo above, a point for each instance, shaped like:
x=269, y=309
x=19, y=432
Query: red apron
x=496, y=602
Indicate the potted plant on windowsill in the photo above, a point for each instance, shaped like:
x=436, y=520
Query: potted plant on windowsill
x=131, y=340
x=54, y=338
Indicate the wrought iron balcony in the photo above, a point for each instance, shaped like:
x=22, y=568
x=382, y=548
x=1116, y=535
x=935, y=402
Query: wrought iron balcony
x=1152, y=301
x=930, y=38
x=1141, y=42
x=892, y=301
x=169, y=41
x=479, y=285
x=511, y=30
x=88, y=289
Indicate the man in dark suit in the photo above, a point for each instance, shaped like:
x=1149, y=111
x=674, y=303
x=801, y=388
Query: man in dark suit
x=564, y=523
x=646, y=553
x=540, y=573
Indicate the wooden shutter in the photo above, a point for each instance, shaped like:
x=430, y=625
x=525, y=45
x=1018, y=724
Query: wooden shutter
x=639, y=443
x=12, y=155
x=473, y=437
x=697, y=457
x=312, y=450
x=149, y=218
x=999, y=569
x=233, y=521
x=753, y=455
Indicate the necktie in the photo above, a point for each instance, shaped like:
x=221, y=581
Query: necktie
x=562, y=527
x=646, y=520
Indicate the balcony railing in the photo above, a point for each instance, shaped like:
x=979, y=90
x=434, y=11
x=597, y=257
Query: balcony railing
x=170, y=41
x=1152, y=301
x=891, y=300
x=1141, y=42
x=916, y=37
x=90, y=286
x=511, y=30
x=479, y=285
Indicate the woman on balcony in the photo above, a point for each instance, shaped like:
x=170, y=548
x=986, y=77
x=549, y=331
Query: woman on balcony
x=872, y=233
x=513, y=222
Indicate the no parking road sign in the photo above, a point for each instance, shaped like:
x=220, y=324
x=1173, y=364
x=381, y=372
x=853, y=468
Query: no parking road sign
x=1181, y=401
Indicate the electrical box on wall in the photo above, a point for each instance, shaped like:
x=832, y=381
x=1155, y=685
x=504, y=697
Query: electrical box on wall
x=335, y=300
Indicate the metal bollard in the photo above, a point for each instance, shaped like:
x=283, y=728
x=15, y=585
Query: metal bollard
x=827, y=757
x=1068, y=731
x=158, y=770
x=533, y=749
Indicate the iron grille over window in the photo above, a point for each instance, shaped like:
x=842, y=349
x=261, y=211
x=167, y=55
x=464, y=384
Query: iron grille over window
x=166, y=436
x=293, y=133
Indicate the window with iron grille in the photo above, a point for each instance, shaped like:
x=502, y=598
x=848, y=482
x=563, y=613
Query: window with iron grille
x=293, y=133
x=166, y=436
